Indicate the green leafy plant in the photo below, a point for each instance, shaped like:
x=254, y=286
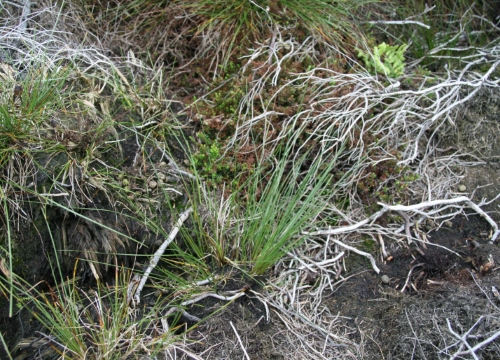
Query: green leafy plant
x=209, y=163
x=386, y=59
x=205, y=160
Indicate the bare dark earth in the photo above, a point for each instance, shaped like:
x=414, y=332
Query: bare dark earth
x=452, y=283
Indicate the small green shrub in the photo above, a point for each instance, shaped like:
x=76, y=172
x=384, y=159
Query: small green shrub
x=210, y=164
x=386, y=59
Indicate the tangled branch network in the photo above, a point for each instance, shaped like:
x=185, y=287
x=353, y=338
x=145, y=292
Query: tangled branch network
x=51, y=41
x=372, y=120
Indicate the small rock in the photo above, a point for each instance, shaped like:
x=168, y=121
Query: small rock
x=462, y=188
x=161, y=176
x=157, y=293
x=152, y=184
x=160, y=182
x=385, y=279
x=448, y=224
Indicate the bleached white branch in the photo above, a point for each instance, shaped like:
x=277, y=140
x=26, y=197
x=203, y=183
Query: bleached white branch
x=359, y=252
x=399, y=22
x=417, y=208
x=239, y=340
x=238, y=294
x=478, y=346
x=154, y=260
x=463, y=339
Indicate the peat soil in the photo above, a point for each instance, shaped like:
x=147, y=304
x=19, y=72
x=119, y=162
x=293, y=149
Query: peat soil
x=476, y=132
x=449, y=278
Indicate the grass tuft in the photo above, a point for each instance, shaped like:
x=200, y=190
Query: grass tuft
x=254, y=225
x=232, y=26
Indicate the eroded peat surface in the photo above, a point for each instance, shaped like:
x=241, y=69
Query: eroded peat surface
x=401, y=316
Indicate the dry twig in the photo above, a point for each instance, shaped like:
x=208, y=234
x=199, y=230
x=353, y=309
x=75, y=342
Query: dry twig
x=239, y=340
x=134, y=292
